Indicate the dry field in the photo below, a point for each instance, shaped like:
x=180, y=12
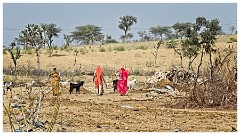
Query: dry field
x=111, y=112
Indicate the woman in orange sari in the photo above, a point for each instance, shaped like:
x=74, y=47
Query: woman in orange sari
x=122, y=82
x=98, y=79
x=55, y=82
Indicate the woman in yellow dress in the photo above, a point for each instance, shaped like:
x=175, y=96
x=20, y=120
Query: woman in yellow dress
x=55, y=82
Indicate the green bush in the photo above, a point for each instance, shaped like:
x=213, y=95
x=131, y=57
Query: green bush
x=229, y=41
x=136, y=72
x=83, y=51
x=27, y=51
x=233, y=39
x=4, y=50
x=102, y=49
x=119, y=48
x=55, y=47
x=142, y=47
x=6, y=78
x=150, y=63
x=111, y=41
x=171, y=44
x=68, y=48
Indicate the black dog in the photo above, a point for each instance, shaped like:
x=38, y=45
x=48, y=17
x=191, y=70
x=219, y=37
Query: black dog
x=115, y=84
x=77, y=86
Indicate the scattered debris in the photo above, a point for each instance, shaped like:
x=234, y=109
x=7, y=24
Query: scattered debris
x=126, y=106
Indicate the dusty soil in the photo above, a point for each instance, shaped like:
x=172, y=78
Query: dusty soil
x=111, y=112
x=131, y=113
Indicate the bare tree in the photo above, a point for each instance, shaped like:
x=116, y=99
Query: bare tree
x=15, y=52
x=232, y=29
x=155, y=53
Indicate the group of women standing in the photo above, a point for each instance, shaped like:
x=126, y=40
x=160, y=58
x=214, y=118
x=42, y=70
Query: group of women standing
x=97, y=79
x=121, y=85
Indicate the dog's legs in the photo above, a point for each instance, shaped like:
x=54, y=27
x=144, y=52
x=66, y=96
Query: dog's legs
x=70, y=90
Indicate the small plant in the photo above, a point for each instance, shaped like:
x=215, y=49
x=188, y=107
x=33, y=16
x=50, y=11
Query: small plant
x=142, y=47
x=6, y=78
x=136, y=72
x=150, y=63
x=55, y=47
x=233, y=39
x=4, y=50
x=27, y=51
x=171, y=44
x=68, y=49
x=102, y=49
x=155, y=52
x=83, y=51
x=108, y=41
x=119, y=48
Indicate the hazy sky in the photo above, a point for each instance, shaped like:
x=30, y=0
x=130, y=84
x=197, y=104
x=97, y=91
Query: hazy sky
x=68, y=16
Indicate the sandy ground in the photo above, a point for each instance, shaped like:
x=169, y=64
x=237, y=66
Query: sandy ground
x=111, y=112
x=132, y=113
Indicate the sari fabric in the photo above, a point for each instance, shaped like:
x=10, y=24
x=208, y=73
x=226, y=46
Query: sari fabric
x=122, y=82
x=98, y=77
x=55, y=83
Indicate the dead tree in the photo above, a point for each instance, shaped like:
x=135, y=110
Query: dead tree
x=75, y=54
x=155, y=53
x=15, y=55
x=180, y=53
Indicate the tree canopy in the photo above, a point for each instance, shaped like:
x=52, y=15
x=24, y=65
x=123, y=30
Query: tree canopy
x=160, y=31
x=181, y=28
x=125, y=24
x=87, y=34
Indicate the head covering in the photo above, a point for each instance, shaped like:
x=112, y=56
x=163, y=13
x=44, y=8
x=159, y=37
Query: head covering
x=98, y=76
x=122, y=82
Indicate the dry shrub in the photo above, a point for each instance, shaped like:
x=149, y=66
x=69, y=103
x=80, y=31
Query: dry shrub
x=220, y=89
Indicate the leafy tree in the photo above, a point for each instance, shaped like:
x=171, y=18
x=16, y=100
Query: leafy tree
x=128, y=36
x=125, y=23
x=181, y=29
x=23, y=39
x=31, y=36
x=49, y=30
x=200, y=38
x=160, y=31
x=87, y=34
x=155, y=52
x=171, y=36
x=110, y=40
x=171, y=44
x=232, y=29
x=142, y=35
x=15, y=52
x=68, y=39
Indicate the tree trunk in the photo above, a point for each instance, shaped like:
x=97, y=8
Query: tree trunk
x=155, y=62
x=193, y=97
x=211, y=65
x=50, y=47
x=181, y=60
x=38, y=58
x=125, y=38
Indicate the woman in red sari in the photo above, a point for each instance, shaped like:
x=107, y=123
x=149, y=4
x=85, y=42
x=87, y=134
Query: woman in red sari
x=98, y=79
x=122, y=82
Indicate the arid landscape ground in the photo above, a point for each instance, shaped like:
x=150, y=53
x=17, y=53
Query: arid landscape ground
x=135, y=112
